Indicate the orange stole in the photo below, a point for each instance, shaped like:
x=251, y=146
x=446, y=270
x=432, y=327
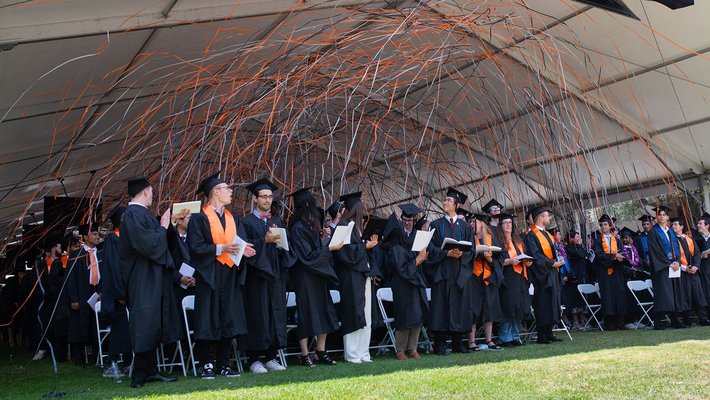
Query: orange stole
x=481, y=268
x=543, y=237
x=521, y=268
x=614, y=249
x=49, y=261
x=221, y=235
x=65, y=261
x=691, y=248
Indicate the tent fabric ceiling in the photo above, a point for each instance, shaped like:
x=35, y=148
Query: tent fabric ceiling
x=527, y=102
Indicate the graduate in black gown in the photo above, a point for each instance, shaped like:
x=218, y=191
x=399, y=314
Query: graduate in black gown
x=487, y=280
x=146, y=267
x=219, y=301
x=703, y=241
x=515, y=290
x=493, y=209
x=545, y=275
x=265, y=284
x=352, y=266
x=641, y=242
x=609, y=265
x=574, y=274
x=409, y=217
x=180, y=251
x=83, y=280
x=48, y=266
x=450, y=278
x=410, y=304
x=312, y=277
x=113, y=308
x=690, y=257
x=664, y=250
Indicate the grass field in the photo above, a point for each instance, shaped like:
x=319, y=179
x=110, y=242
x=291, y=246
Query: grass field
x=673, y=364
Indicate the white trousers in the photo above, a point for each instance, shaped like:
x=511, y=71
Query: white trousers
x=357, y=344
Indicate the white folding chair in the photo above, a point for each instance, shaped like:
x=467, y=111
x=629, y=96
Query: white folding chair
x=385, y=295
x=188, y=304
x=423, y=334
x=290, y=303
x=649, y=283
x=167, y=363
x=646, y=306
x=564, y=327
x=101, y=334
x=586, y=290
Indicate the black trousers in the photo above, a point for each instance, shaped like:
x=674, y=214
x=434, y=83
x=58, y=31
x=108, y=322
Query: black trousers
x=145, y=364
x=214, y=351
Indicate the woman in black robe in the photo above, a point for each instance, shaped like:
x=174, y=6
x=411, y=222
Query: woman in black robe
x=313, y=276
x=410, y=304
x=573, y=275
x=487, y=278
x=608, y=262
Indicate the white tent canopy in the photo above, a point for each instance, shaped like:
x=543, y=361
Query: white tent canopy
x=525, y=101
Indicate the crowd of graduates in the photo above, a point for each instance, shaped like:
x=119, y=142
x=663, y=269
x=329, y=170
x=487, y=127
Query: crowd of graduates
x=447, y=288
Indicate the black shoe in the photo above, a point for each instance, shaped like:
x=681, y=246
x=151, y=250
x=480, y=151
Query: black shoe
x=543, y=340
x=159, y=378
x=440, y=350
x=704, y=322
x=137, y=384
x=207, y=372
x=517, y=342
x=307, y=361
x=324, y=358
x=553, y=338
x=507, y=344
x=228, y=373
x=461, y=350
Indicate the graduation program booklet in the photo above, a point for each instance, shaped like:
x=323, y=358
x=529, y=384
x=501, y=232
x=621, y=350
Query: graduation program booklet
x=193, y=206
x=482, y=248
x=450, y=243
x=673, y=274
x=237, y=258
x=93, y=300
x=186, y=270
x=523, y=257
x=422, y=239
x=283, y=240
x=342, y=233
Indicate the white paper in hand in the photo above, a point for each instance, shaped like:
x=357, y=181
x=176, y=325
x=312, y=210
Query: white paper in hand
x=673, y=274
x=93, y=300
x=422, y=239
x=342, y=233
x=186, y=270
x=283, y=240
x=237, y=258
x=523, y=257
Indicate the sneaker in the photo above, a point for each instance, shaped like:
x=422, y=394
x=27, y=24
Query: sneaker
x=630, y=326
x=273, y=365
x=258, y=368
x=207, y=371
x=39, y=355
x=227, y=372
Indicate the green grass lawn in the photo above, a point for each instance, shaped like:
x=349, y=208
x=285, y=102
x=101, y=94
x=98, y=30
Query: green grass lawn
x=673, y=364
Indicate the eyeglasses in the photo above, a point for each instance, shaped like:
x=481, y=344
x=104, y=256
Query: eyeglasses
x=265, y=197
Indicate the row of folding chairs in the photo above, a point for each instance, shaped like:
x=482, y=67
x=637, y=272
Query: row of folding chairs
x=592, y=300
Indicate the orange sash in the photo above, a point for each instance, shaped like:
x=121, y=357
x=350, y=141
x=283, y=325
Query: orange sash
x=117, y=232
x=49, y=260
x=481, y=268
x=543, y=237
x=65, y=260
x=221, y=235
x=614, y=250
x=519, y=269
x=691, y=248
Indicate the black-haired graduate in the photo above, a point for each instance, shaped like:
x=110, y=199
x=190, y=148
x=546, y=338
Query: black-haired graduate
x=609, y=264
x=265, y=284
x=219, y=303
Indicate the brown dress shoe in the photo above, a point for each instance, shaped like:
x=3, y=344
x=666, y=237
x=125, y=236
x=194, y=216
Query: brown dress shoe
x=415, y=355
x=401, y=355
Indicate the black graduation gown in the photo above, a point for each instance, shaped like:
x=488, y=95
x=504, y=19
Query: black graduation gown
x=667, y=293
x=643, y=253
x=146, y=267
x=692, y=285
x=312, y=276
x=451, y=279
x=577, y=259
x=219, y=303
x=704, y=268
x=485, y=297
x=410, y=305
x=514, y=291
x=351, y=266
x=265, y=287
x=611, y=287
x=111, y=287
x=82, y=322
x=376, y=258
x=546, y=279
x=180, y=251
x=60, y=319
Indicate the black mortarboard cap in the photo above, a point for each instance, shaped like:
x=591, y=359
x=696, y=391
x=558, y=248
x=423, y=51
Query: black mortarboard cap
x=616, y=6
x=537, y=211
x=261, y=184
x=504, y=216
x=492, y=203
x=458, y=197
x=301, y=196
x=663, y=208
x=136, y=185
x=646, y=218
x=627, y=232
x=84, y=229
x=553, y=230
x=676, y=4
x=374, y=226
x=392, y=224
x=420, y=224
x=464, y=213
x=207, y=184
x=115, y=215
x=334, y=208
x=349, y=200
x=680, y=220
x=482, y=217
x=409, y=210
x=52, y=241
x=605, y=218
